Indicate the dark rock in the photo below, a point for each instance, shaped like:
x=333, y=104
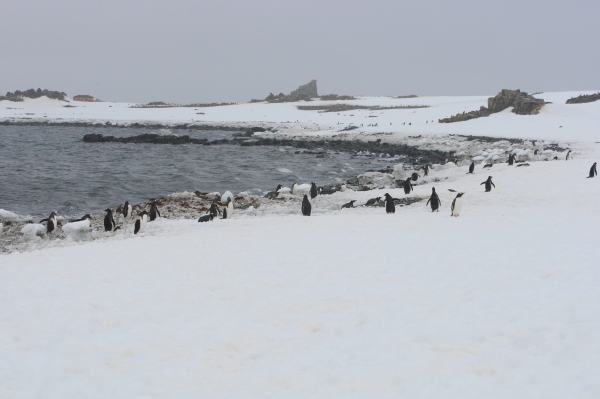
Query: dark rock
x=584, y=98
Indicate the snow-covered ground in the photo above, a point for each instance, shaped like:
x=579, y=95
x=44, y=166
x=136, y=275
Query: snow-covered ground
x=556, y=121
x=502, y=301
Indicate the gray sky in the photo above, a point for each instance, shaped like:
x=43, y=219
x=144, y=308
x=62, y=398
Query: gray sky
x=197, y=50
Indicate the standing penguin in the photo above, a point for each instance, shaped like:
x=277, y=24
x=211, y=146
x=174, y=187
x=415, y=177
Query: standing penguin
x=511, y=159
x=139, y=222
x=306, y=207
x=214, y=209
x=109, y=221
x=407, y=185
x=313, y=190
x=456, y=205
x=568, y=155
x=390, y=207
x=593, y=171
x=51, y=222
x=434, y=200
x=426, y=170
x=229, y=208
x=471, y=168
x=154, y=213
x=488, y=184
x=127, y=210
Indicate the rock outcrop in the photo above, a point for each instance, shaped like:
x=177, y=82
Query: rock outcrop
x=304, y=92
x=584, y=98
x=522, y=103
x=19, y=95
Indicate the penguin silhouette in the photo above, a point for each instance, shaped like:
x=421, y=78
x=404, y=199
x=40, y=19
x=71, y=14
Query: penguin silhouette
x=306, y=207
x=568, y=155
x=593, y=171
x=313, y=190
x=426, y=170
x=154, y=213
x=349, y=204
x=511, y=159
x=488, y=184
x=407, y=185
x=109, y=221
x=471, y=168
x=434, y=200
x=390, y=207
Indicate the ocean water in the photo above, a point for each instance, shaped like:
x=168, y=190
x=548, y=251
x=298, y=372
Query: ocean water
x=50, y=168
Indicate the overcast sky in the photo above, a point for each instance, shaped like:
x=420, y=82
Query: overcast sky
x=198, y=50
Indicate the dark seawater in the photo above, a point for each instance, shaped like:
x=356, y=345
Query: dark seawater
x=49, y=168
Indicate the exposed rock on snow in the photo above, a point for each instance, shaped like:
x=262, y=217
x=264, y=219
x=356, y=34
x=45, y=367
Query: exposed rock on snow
x=584, y=98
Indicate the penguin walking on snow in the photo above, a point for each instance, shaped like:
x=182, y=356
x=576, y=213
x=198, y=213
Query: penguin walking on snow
x=568, y=155
x=390, y=207
x=407, y=185
x=313, y=191
x=488, y=184
x=228, y=211
x=306, y=207
x=471, y=168
x=434, y=200
x=426, y=170
x=456, y=205
x=154, y=212
x=109, y=221
x=593, y=171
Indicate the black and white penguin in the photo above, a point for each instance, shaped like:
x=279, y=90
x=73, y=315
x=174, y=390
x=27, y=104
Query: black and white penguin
x=488, y=165
x=593, y=171
x=109, y=221
x=140, y=221
x=471, y=168
x=373, y=201
x=407, y=185
x=511, y=159
x=306, y=207
x=154, y=213
x=426, y=170
x=390, y=207
x=205, y=218
x=488, y=184
x=51, y=222
x=414, y=176
x=224, y=213
x=214, y=209
x=456, y=205
x=349, y=204
x=127, y=210
x=434, y=200
x=313, y=191
x=229, y=208
x=568, y=155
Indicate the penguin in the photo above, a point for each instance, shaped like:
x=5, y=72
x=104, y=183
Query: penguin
x=488, y=184
x=205, y=218
x=471, y=168
x=78, y=228
x=229, y=207
x=141, y=219
x=593, y=171
x=349, y=204
x=51, y=222
x=154, y=212
x=390, y=207
x=127, y=210
x=407, y=185
x=109, y=221
x=224, y=213
x=373, y=201
x=568, y=155
x=426, y=170
x=306, y=207
x=313, y=191
x=511, y=159
x=414, y=176
x=434, y=200
x=214, y=210
x=488, y=165
x=456, y=205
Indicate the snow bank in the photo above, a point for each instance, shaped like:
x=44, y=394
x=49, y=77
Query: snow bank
x=502, y=301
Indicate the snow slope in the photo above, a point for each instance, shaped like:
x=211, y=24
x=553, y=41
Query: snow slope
x=556, y=121
x=500, y=302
